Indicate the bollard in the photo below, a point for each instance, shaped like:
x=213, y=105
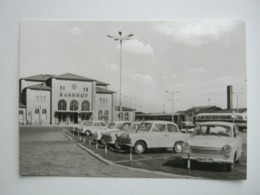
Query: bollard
x=84, y=140
x=78, y=133
x=96, y=144
x=188, y=164
x=80, y=138
x=89, y=142
x=131, y=158
x=106, y=148
x=73, y=134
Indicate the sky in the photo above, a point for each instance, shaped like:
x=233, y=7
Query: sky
x=195, y=60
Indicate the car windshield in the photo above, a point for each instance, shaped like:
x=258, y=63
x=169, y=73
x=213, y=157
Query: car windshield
x=82, y=122
x=215, y=130
x=88, y=123
x=134, y=127
x=144, y=127
x=111, y=125
x=125, y=126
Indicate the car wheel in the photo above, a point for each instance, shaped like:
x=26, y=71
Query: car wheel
x=102, y=141
x=117, y=145
x=178, y=147
x=139, y=147
x=88, y=133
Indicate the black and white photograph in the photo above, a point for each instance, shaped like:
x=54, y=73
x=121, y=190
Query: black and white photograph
x=133, y=99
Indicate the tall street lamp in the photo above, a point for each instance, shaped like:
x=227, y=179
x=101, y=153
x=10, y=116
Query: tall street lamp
x=172, y=92
x=237, y=98
x=120, y=39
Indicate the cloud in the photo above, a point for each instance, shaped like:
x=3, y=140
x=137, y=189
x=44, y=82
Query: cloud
x=199, y=70
x=142, y=79
x=196, y=33
x=173, y=76
x=76, y=31
x=137, y=47
x=112, y=67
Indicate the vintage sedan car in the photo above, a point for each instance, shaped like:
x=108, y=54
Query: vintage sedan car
x=214, y=142
x=153, y=134
x=110, y=137
x=187, y=127
x=73, y=127
x=90, y=127
x=114, y=126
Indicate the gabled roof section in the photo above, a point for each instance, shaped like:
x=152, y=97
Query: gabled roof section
x=102, y=83
x=39, y=87
x=202, y=109
x=124, y=108
x=101, y=90
x=69, y=76
x=39, y=77
x=21, y=105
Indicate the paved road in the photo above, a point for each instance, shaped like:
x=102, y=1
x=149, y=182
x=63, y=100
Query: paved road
x=45, y=151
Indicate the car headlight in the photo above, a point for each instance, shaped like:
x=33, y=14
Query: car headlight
x=227, y=149
x=185, y=146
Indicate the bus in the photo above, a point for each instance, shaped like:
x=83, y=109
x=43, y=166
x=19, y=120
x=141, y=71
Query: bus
x=240, y=119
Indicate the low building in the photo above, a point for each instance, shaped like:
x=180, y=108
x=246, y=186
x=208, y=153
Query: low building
x=66, y=98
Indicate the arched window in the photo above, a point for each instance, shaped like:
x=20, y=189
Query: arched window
x=85, y=106
x=62, y=105
x=44, y=114
x=126, y=116
x=106, y=115
x=37, y=111
x=100, y=115
x=74, y=105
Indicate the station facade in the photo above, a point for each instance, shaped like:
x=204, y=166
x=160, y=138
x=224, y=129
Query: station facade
x=64, y=99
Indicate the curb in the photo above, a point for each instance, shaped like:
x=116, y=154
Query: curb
x=100, y=158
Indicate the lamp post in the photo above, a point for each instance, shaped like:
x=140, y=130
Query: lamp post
x=120, y=39
x=132, y=107
x=172, y=93
x=237, y=98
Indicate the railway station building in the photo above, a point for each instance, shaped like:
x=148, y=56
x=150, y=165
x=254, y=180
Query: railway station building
x=64, y=99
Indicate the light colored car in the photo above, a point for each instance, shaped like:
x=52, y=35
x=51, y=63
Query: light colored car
x=97, y=134
x=90, y=127
x=214, y=142
x=153, y=134
x=187, y=127
x=73, y=127
x=110, y=137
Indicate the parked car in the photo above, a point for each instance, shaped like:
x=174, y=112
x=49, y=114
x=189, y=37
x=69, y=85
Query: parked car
x=110, y=137
x=187, y=127
x=214, y=142
x=113, y=126
x=73, y=127
x=153, y=134
x=90, y=127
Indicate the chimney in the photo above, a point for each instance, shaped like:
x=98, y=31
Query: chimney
x=229, y=97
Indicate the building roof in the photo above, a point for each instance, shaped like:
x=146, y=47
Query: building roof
x=39, y=77
x=39, y=87
x=239, y=110
x=67, y=76
x=201, y=109
x=125, y=108
x=101, y=90
x=21, y=105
